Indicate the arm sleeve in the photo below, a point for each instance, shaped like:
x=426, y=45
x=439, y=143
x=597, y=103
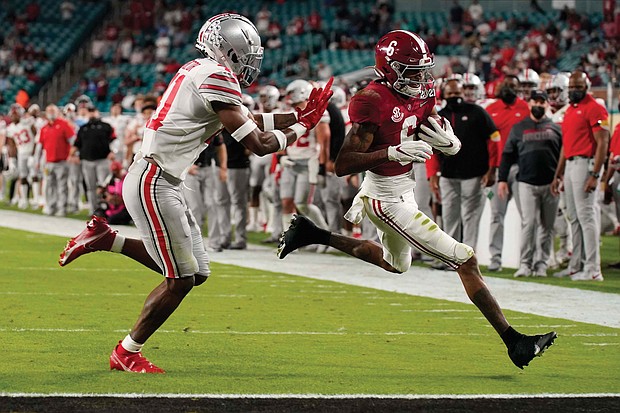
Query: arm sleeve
x=433, y=165
x=598, y=118
x=221, y=86
x=364, y=108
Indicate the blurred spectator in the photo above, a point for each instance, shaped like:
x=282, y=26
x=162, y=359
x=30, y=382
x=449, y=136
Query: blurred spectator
x=585, y=142
x=93, y=144
x=67, y=8
x=262, y=20
x=274, y=42
x=315, y=22
x=456, y=13
x=55, y=140
x=32, y=11
x=324, y=71
x=458, y=181
x=534, y=144
x=112, y=206
x=475, y=12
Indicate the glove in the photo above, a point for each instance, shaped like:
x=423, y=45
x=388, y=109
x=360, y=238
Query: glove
x=442, y=139
x=286, y=161
x=317, y=103
x=410, y=151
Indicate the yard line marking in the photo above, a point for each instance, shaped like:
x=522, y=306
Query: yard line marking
x=285, y=333
x=318, y=396
x=601, y=344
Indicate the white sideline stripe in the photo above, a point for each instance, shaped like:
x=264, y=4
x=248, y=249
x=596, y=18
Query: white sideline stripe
x=320, y=396
x=279, y=333
x=541, y=299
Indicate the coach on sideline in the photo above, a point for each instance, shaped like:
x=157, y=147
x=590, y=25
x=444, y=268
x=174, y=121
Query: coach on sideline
x=585, y=133
x=534, y=144
x=464, y=175
x=55, y=140
x=93, y=143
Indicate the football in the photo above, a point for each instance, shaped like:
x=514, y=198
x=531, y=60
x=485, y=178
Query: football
x=425, y=122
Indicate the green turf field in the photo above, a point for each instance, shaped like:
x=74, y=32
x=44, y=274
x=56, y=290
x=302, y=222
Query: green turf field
x=253, y=332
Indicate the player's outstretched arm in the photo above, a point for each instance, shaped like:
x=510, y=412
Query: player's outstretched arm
x=246, y=131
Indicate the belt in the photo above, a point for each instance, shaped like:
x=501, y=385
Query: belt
x=572, y=158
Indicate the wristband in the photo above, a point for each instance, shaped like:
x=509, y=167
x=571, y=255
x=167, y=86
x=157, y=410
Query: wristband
x=268, y=121
x=595, y=174
x=243, y=130
x=299, y=129
x=281, y=137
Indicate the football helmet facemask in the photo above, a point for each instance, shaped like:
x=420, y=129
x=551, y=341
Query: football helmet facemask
x=404, y=60
x=233, y=41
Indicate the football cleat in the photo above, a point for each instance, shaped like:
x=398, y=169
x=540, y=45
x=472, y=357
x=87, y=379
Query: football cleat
x=98, y=236
x=528, y=347
x=301, y=233
x=123, y=360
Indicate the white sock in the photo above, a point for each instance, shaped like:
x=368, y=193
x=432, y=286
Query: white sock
x=117, y=245
x=254, y=217
x=24, y=194
x=286, y=220
x=314, y=213
x=36, y=192
x=130, y=345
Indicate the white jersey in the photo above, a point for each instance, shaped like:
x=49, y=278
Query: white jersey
x=307, y=146
x=184, y=120
x=22, y=135
x=558, y=116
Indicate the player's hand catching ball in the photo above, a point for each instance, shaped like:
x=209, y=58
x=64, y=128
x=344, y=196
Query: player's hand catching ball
x=440, y=137
x=410, y=151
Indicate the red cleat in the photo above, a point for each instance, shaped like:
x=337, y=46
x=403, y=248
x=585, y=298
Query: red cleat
x=124, y=360
x=98, y=236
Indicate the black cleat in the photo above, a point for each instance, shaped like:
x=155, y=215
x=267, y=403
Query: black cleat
x=301, y=233
x=528, y=347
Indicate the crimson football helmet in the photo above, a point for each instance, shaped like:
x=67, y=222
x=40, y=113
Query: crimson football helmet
x=404, y=60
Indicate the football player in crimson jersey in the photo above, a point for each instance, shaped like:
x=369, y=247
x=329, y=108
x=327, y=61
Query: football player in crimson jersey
x=385, y=116
x=202, y=98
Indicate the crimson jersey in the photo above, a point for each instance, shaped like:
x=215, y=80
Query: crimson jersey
x=396, y=115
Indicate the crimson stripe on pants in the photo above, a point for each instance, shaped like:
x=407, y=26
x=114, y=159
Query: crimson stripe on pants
x=148, y=196
x=378, y=210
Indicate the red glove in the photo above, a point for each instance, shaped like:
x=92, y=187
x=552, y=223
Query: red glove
x=317, y=103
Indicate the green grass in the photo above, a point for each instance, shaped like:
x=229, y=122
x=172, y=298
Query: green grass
x=248, y=331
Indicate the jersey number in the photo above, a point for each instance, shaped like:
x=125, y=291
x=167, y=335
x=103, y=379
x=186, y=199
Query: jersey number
x=408, y=130
x=171, y=92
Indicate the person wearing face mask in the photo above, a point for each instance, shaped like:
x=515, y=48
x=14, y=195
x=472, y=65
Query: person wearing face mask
x=506, y=111
x=55, y=140
x=458, y=180
x=585, y=142
x=534, y=144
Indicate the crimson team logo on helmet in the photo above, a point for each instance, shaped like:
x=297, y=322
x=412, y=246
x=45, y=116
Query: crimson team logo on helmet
x=404, y=60
x=233, y=41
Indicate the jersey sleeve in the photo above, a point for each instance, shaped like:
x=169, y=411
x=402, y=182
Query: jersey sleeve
x=221, y=86
x=364, y=108
x=614, y=144
x=598, y=118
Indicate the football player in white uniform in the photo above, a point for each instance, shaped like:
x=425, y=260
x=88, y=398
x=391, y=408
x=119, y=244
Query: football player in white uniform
x=21, y=134
x=528, y=81
x=268, y=99
x=301, y=164
x=202, y=98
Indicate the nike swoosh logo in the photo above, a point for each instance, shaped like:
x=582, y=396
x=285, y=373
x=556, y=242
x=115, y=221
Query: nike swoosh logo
x=445, y=146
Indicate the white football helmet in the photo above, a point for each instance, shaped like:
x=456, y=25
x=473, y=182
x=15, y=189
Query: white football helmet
x=473, y=89
x=558, y=90
x=269, y=96
x=248, y=101
x=233, y=41
x=298, y=91
x=528, y=81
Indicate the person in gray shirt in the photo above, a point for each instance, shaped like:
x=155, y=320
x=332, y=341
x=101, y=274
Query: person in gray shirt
x=534, y=144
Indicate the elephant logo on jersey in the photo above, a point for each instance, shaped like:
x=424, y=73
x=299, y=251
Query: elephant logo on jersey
x=397, y=115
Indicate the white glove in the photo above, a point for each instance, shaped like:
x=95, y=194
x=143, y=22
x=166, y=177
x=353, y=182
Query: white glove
x=286, y=161
x=410, y=151
x=442, y=139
